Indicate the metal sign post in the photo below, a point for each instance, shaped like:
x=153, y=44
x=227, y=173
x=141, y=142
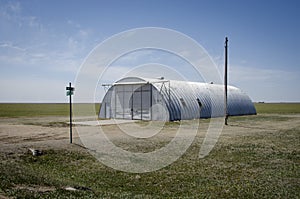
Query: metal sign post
x=70, y=90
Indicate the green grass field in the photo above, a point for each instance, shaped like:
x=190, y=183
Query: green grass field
x=265, y=164
x=61, y=109
x=39, y=110
x=245, y=168
x=278, y=108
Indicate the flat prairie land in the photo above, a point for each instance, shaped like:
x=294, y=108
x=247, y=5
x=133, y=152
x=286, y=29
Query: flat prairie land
x=279, y=108
x=256, y=156
x=40, y=109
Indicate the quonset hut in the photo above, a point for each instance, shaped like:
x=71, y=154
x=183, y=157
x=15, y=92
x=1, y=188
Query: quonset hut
x=136, y=98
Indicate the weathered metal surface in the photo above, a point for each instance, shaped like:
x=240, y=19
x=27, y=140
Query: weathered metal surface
x=151, y=99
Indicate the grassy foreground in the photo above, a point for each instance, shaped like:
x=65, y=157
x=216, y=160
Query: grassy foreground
x=237, y=170
x=263, y=164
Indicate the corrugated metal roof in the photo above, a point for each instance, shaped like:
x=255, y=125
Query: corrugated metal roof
x=185, y=100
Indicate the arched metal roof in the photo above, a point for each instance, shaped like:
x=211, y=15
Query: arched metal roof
x=185, y=100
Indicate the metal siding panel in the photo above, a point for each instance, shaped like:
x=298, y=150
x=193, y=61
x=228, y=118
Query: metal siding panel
x=106, y=100
x=211, y=97
x=159, y=109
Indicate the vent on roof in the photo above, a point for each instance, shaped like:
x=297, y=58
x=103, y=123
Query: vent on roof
x=182, y=102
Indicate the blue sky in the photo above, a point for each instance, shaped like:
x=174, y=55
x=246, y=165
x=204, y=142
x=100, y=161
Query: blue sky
x=43, y=43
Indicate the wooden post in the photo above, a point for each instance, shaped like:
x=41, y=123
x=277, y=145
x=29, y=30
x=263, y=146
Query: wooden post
x=225, y=81
x=70, y=115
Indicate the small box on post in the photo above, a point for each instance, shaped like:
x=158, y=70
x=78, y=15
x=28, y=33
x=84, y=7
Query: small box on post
x=70, y=92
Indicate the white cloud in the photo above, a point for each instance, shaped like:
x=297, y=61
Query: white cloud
x=10, y=10
x=266, y=84
x=252, y=74
x=73, y=23
x=11, y=46
x=12, y=13
x=39, y=46
x=29, y=89
x=14, y=7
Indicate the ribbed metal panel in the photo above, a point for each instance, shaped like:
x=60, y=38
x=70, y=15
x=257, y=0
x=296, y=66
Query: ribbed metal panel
x=180, y=100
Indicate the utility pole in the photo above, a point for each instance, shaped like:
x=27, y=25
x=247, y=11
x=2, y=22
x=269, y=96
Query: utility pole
x=70, y=90
x=225, y=81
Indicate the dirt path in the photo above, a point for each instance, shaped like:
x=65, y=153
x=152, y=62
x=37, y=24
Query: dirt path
x=49, y=132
